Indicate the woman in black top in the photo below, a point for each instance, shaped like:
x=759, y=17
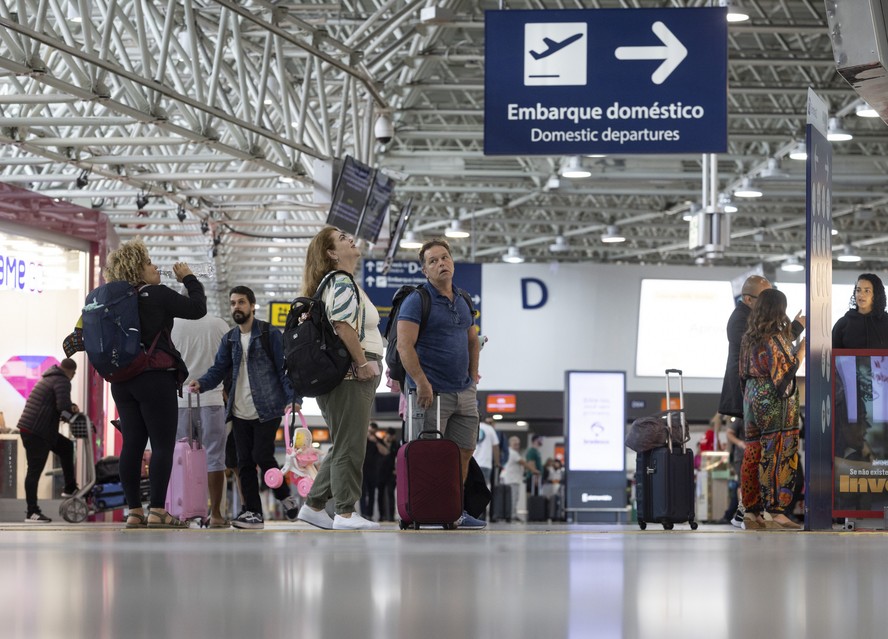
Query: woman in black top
x=865, y=325
x=147, y=402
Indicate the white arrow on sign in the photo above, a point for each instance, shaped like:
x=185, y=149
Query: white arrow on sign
x=672, y=53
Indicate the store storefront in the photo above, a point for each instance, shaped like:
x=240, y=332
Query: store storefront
x=49, y=259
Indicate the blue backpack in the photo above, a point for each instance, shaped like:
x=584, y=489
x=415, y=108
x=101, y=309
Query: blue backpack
x=112, y=337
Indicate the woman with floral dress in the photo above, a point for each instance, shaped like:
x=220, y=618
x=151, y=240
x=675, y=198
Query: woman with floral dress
x=768, y=366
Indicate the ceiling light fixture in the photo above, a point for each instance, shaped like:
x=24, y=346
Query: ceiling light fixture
x=691, y=213
x=735, y=12
x=799, y=153
x=410, y=242
x=574, y=168
x=835, y=132
x=141, y=202
x=864, y=110
x=560, y=245
x=612, y=235
x=746, y=189
x=724, y=202
x=455, y=231
x=204, y=226
x=848, y=255
x=180, y=213
x=513, y=256
x=792, y=265
x=773, y=170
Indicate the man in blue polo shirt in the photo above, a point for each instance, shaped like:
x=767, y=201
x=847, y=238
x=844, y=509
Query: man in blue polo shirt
x=443, y=359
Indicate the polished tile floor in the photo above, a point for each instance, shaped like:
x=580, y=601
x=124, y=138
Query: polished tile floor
x=98, y=581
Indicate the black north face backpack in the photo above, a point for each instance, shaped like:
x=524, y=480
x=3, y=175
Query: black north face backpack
x=315, y=357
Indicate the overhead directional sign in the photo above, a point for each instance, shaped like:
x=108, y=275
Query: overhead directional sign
x=610, y=81
x=381, y=288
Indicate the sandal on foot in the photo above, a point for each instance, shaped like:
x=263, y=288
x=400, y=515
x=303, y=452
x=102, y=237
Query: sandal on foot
x=141, y=520
x=165, y=520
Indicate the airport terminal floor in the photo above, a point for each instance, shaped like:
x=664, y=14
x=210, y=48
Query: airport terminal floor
x=514, y=581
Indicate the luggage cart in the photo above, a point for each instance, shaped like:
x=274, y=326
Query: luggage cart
x=92, y=497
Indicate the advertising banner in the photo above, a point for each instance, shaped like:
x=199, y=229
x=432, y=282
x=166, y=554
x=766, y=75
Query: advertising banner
x=860, y=433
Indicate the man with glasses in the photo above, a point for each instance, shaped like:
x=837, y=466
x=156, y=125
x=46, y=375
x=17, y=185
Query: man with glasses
x=442, y=360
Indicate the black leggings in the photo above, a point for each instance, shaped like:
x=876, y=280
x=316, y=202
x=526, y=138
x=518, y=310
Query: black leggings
x=148, y=411
x=37, y=451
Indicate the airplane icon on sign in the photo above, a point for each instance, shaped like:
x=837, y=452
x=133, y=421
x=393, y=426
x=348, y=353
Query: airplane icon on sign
x=555, y=47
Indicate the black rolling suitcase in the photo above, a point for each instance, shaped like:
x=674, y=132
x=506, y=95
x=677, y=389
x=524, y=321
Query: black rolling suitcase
x=537, y=504
x=664, y=476
x=501, y=508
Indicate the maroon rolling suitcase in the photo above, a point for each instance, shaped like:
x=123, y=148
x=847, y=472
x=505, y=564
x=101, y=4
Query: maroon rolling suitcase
x=428, y=474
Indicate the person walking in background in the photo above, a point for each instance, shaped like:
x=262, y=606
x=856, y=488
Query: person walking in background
x=731, y=399
x=442, y=360
x=865, y=324
x=768, y=366
x=487, y=451
x=147, y=402
x=48, y=402
x=198, y=341
x=260, y=393
x=387, y=477
x=346, y=408
x=513, y=473
x=371, y=490
x=534, y=465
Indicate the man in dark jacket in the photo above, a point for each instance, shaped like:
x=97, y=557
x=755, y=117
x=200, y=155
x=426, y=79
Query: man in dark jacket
x=731, y=401
x=49, y=402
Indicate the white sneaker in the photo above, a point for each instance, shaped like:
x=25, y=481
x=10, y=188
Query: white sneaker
x=355, y=522
x=317, y=518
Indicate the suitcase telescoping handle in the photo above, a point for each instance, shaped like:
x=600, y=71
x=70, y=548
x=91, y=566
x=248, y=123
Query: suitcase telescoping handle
x=194, y=425
x=415, y=414
x=681, y=417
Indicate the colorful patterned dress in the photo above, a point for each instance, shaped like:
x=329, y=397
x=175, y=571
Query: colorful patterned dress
x=771, y=423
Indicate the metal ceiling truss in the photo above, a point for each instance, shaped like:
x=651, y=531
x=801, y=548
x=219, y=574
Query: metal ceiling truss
x=219, y=109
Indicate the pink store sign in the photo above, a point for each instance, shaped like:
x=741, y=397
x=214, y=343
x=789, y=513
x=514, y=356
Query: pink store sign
x=24, y=371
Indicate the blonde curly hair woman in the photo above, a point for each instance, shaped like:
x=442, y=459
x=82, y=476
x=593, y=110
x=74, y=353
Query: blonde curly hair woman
x=147, y=402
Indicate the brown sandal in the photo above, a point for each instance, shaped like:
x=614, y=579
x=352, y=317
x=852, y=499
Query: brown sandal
x=141, y=520
x=165, y=520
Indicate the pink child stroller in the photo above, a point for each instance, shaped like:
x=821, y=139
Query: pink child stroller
x=301, y=459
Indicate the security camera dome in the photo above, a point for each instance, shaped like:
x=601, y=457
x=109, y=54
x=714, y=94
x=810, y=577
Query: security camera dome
x=384, y=131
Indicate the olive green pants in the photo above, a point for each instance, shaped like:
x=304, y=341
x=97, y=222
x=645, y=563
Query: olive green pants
x=346, y=409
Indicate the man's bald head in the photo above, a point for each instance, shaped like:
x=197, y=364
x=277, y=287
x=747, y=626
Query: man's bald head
x=752, y=288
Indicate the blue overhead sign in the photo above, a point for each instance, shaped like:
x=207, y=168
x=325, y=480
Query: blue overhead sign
x=381, y=287
x=610, y=81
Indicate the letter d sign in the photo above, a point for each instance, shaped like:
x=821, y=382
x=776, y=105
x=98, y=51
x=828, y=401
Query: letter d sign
x=543, y=293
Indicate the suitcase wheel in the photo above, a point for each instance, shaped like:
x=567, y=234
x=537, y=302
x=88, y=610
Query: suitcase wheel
x=642, y=524
x=668, y=526
x=402, y=524
x=693, y=525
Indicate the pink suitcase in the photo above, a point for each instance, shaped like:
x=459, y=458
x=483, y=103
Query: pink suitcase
x=428, y=475
x=187, y=496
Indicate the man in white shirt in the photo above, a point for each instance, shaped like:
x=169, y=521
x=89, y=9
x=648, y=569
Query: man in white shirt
x=197, y=342
x=487, y=452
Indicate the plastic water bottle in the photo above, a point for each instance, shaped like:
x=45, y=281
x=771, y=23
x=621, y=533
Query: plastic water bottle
x=201, y=270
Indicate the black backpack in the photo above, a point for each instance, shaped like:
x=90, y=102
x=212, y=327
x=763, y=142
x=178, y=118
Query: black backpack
x=392, y=358
x=315, y=358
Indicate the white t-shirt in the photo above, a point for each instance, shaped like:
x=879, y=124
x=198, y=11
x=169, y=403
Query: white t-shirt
x=487, y=439
x=244, y=408
x=198, y=341
x=513, y=473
